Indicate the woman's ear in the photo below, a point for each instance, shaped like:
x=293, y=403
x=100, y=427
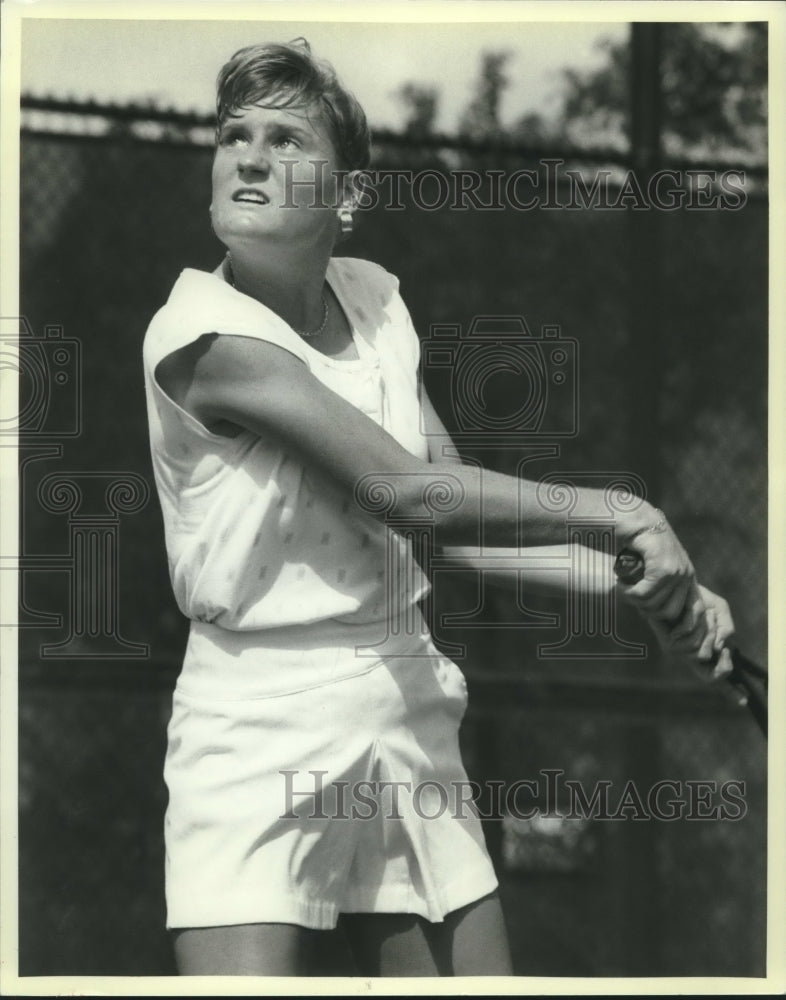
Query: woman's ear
x=351, y=190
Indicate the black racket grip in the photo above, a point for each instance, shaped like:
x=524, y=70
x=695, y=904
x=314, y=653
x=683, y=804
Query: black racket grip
x=629, y=568
x=751, y=680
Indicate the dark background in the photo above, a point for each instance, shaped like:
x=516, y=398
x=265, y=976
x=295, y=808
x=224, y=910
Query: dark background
x=670, y=314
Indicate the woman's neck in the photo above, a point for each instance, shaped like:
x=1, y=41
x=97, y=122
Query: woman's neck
x=293, y=289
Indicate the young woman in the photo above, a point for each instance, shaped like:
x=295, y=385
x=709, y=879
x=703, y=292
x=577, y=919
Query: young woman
x=285, y=422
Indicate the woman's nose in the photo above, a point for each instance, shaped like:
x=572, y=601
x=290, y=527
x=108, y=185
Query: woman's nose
x=254, y=159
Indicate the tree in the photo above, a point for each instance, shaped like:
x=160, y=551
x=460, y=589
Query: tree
x=481, y=119
x=420, y=104
x=714, y=92
x=714, y=89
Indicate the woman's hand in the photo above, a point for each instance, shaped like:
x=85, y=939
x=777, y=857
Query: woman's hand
x=667, y=588
x=698, y=639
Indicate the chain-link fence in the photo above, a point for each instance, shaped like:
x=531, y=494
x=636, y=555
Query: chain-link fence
x=109, y=217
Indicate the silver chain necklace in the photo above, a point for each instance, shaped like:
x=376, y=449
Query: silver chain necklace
x=307, y=334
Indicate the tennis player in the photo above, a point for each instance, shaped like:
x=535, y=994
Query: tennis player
x=283, y=403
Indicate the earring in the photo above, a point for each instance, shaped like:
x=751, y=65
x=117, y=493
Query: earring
x=345, y=218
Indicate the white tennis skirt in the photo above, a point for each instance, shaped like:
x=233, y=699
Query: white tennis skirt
x=309, y=777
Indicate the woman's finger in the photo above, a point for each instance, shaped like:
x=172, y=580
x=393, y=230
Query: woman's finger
x=690, y=620
x=700, y=641
x=698, y=647
x=724, y=665
x=683, y=602
x=665, y=602
x=725, y=627
x=706, y=648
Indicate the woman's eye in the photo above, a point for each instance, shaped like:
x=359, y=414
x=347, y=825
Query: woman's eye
x=231, y=137
x=285, y=141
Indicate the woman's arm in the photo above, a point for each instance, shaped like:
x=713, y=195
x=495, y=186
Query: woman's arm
x=694, y=640
x=543, y=570
x=697, y=641
x=245, y=382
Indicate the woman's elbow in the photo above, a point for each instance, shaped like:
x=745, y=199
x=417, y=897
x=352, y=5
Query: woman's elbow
x=423, y=495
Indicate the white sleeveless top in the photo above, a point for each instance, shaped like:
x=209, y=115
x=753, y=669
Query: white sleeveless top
x=255, y=540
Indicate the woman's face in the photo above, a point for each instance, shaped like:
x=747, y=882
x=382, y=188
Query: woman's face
x=274, y=179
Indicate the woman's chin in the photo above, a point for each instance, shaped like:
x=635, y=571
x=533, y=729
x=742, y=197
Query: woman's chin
x=240, y=229
x=237, y=237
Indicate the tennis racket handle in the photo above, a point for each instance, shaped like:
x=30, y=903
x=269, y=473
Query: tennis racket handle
x=629, y=568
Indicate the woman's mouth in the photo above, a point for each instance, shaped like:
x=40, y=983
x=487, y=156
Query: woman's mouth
x=250, y=196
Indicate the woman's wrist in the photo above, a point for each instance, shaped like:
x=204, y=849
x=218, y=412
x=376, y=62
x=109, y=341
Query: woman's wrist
x=645, y=518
